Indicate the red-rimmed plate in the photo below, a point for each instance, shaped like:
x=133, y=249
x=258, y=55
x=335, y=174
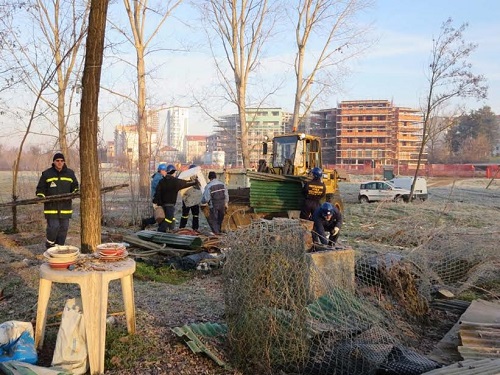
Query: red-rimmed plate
x=110, y=247
x=112, y=257
x=112, y=252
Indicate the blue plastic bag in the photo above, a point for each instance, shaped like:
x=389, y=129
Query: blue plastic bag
x=17, y=342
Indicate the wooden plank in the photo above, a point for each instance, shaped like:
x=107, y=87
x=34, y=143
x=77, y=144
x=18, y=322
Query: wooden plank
x=59, y=197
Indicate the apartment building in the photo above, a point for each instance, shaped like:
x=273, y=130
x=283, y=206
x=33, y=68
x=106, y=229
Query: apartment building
x=126, y=140
x=126, y=145
x=177, y=128
x=323, y=124
x=375, y=130
x=261, y=123
x=196, y=147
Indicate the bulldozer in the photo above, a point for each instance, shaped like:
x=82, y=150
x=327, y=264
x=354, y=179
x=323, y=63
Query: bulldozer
x=274, y=189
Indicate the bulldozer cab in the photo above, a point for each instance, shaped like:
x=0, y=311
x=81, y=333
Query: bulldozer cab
x=295, y=154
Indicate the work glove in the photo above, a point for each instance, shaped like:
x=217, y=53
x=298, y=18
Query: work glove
x=335, y=231
x=197, y=184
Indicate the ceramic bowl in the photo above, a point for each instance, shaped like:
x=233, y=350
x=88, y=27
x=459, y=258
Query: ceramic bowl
x=63, y=251
x=60, y=260
x=61, y=265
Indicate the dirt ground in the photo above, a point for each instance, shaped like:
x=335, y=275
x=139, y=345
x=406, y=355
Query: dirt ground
x=161, y=307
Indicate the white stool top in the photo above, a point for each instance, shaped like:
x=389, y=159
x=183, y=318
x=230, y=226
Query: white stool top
x=111, y=271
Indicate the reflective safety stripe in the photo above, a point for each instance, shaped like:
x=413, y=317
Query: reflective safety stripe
x=169, y=221
x=185, y=217
x=54, y=212
x=216, y=191
x=195, y=215
x=61, y=179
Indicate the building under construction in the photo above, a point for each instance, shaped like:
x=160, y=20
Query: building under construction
x=369, y=132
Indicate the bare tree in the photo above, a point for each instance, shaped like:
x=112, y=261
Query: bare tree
x=474, y=150
x=242, y=26
x=7, y=36
x=141, y=40
x=450, y=76
x=437, y=130
x=331, y=24
x=90, y=206
x=59, y=28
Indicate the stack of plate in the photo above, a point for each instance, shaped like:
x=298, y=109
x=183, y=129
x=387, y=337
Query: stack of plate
x=61, y=257
x=111, y=251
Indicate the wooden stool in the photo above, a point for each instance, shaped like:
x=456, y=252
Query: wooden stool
x=94, y=292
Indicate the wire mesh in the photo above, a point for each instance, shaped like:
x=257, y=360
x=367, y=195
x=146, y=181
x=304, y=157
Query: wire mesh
x=278, y=322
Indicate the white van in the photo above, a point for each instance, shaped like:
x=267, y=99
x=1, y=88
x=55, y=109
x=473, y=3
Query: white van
x=420, y=191
x=373, y=191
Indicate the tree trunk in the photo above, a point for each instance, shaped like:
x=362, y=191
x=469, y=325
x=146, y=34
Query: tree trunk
x=299, y=90
x=90, y=204
x=61, y=125
x=245, y=154
x=144, y=153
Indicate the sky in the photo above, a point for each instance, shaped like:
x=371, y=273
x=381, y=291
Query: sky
x=394, y=68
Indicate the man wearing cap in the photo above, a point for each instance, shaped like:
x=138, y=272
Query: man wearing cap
x=56, y=180
x=327, y=222
x=217, y=197
x=313, y=192
x=166, y=196
x=155, y=180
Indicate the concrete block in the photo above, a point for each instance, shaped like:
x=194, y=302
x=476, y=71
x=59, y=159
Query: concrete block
x=331, y=268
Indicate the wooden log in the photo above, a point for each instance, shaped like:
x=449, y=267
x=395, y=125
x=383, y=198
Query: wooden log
x=59, y=197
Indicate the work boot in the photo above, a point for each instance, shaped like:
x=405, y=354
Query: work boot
x=144, y=224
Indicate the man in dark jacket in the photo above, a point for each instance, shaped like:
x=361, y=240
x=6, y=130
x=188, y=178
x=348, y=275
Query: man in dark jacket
x=155, y=180
x=216, y=195
x=56, y=180
x=313, y=191
x=327, y=223
x=166, y=196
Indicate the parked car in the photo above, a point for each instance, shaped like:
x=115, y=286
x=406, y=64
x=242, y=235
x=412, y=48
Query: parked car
x=420, y=190
x=372, y=191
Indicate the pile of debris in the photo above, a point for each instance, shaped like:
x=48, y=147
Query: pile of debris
x=182, y=249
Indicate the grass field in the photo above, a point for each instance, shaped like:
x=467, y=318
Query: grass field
x=452, y=238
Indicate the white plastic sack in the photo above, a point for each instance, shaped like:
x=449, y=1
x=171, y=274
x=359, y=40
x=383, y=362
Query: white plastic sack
x=71, y=344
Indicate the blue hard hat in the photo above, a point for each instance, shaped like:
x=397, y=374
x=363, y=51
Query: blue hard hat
x=162, y=167
x=170, y=169
x=192, y=166
x=317, y=172
x=326, y=209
